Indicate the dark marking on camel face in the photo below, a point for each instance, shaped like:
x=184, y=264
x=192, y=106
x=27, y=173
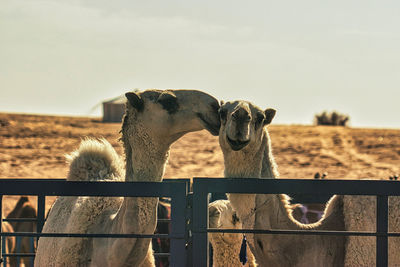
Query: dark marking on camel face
x=169, y=102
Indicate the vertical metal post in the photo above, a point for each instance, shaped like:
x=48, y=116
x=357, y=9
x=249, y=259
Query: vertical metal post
x=41, y=207
x=200, y=224
x=1, y=230
x=178, y=227
x=382, y=230
x=189, y=230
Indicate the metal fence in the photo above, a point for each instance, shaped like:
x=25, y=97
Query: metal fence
x=177, y=190
x=203, y=186
x=189, y=210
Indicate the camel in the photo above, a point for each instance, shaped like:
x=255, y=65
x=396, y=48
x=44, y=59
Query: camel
x=23, y=209
x=154, y=119
x=226, y=246
x=10, y=240
x=245, y=142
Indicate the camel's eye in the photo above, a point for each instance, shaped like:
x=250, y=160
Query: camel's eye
x=235, y=218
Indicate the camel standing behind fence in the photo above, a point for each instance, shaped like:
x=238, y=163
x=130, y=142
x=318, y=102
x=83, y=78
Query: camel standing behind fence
x=23, y=210
x=154, y=119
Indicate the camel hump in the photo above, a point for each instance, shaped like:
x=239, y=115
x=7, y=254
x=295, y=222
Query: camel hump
x=95, y=159
x=28, y=211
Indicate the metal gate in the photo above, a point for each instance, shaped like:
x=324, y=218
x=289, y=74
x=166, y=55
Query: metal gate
x=177, y=190
x=189, y=210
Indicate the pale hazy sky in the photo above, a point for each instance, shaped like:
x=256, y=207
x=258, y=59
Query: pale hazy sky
x=300, y=57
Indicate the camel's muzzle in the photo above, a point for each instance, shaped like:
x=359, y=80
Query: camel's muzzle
x=237, y=145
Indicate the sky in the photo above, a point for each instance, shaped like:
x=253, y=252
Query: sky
x=299, y=57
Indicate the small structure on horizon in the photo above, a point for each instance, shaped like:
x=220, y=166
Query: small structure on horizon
x=114, y=109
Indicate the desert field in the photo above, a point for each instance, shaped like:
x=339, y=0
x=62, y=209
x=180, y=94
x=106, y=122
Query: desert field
x=33, y=146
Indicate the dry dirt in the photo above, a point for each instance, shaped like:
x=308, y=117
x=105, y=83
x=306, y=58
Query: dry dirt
x=33, y=146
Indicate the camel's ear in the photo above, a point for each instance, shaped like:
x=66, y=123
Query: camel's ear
x=169, y=102
x=214, y=212
x=135, y=100
x=221, y=102
x=269, y=115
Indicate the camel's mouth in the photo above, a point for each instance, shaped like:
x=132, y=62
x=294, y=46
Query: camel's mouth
x=212, y=127
x=237, y=145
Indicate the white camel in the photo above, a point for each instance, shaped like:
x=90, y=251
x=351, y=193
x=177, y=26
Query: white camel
x=226, y=246
x=154, y=119
x=245, y=142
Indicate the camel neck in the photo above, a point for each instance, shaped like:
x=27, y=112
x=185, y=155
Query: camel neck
x=226, y=257
x=269, y=169
x=148, y=166
x=146, y=156
x=254, y=161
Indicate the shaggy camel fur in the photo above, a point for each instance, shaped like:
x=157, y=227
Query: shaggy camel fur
x=245, y=142
x=154, y=119
x=23, y=209
x=226, y=246
x=360, y=215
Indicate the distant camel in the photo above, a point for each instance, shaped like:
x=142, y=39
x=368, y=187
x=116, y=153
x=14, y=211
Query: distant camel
x=23, y=210
x=154, y=119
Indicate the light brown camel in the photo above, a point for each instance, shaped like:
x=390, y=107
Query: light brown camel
x=10, y=240
x=23, y=210
x=226, y=246
x=154, y=120
x=245, y=141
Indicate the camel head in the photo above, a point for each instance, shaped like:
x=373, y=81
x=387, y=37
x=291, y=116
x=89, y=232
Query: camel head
x=170, y=114
x=222, y=216
x=154, y=119
x=242, y=124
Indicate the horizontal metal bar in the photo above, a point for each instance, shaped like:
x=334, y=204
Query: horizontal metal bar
x=164, y=220
x=162, y=255
x=75, y=188
x=157, y=255
x=298, y=232
x=19, y=220
x=92, y=235
x=19, y=255
x=34, y=220
x=299, y=186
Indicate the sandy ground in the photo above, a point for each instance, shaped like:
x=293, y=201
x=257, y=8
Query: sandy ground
x=33, y=146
